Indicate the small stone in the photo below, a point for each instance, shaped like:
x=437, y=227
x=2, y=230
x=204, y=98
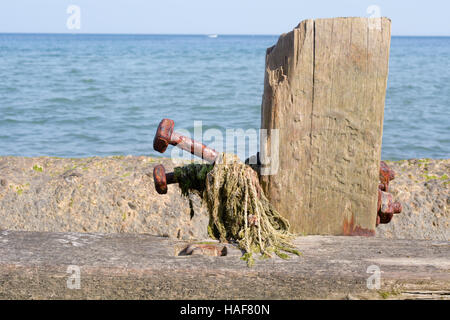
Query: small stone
x=3, y=182
x=132, y=206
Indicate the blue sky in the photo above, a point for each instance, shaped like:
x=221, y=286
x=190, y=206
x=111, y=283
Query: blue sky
x=413, y=17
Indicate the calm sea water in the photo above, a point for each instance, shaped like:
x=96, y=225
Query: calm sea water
x=85, y=95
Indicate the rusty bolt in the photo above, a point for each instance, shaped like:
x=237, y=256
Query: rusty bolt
x=386, y=175
x=165, y=135
x=387, y=207
x=162, y=179
x=204, y=249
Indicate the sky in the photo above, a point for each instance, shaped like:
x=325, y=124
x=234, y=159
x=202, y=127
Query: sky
x=409, y=17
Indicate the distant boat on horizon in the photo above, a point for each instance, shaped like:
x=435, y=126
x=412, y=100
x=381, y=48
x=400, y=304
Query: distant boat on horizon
x=212, y=35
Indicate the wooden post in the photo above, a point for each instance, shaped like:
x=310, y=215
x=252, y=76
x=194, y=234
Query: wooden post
x=324, y=89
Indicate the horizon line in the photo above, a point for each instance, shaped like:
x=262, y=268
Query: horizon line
x=184, y=34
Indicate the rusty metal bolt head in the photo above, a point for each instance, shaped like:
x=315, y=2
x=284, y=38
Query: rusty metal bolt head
x=386, y=203
x=205, y=250
x=386, y=175
x=385, y=218
x=163, y=135
x=397, y=206
x=159, y=176
x=387, y=207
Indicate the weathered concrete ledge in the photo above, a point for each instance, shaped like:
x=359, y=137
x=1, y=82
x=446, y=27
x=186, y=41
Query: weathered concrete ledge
x=34, y=265
x=117, y=195
x=111, y=195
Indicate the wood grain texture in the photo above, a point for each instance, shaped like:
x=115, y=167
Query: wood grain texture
x=34, y=265
x=324, y=89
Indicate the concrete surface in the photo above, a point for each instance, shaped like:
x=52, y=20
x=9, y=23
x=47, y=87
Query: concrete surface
x=117, y=195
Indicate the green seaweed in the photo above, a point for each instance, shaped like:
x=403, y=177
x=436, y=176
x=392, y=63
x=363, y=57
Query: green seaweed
x=394, y=161
x=206, y=242
x=387, y=294
x=428, y=177
x=38, y=168
x=248, y=257
x=238, y=208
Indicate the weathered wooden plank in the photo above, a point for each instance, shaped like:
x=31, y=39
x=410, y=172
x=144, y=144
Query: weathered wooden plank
x=324, y=90
x=34, y=265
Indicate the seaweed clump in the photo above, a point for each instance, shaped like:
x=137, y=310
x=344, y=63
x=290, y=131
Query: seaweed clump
x=237, y=206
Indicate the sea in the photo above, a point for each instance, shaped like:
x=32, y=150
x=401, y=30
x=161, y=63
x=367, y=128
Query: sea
x=82, y=95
